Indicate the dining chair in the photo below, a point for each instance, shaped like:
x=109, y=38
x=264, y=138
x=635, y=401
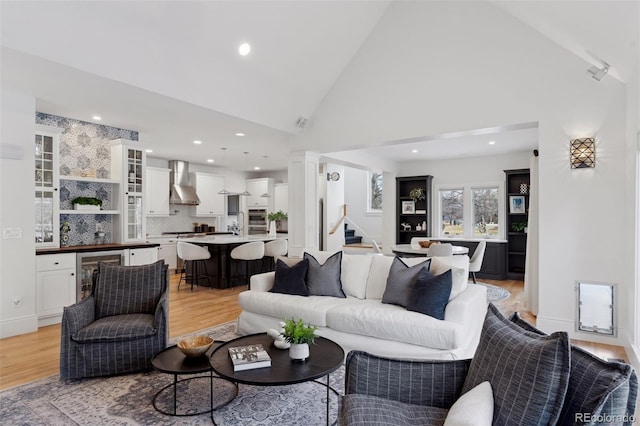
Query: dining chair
x=475, y=263
x=435, y=250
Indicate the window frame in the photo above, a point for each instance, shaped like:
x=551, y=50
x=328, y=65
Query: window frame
x=370, y=211
x=467, y=212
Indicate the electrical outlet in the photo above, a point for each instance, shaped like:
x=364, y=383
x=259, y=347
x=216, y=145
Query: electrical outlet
x=17, y=302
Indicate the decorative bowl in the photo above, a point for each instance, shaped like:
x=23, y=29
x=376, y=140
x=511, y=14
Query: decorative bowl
x=425, y=244
x=195, y=346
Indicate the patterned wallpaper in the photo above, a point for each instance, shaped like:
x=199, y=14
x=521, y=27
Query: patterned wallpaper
x=85, y=150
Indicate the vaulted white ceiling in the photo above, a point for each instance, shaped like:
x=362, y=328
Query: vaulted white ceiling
x=171, y=70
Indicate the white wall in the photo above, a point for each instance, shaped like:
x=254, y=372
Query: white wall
x=334, y=199
x=17, y=256
x=432, y=68
x=356, y=187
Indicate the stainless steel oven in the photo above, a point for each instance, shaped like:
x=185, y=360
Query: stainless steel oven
x=257, y=221
x=87, y=262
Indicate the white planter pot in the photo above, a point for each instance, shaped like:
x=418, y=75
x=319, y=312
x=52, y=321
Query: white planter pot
x=86, y=207
x=272, y=228
x=299, y=351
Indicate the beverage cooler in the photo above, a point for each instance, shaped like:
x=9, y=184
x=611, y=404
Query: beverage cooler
x=86, y=263
x=257, y=221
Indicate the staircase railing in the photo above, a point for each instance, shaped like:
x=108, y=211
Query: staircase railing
x=352, y=223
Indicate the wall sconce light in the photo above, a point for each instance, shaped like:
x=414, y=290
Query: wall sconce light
x=583, y=153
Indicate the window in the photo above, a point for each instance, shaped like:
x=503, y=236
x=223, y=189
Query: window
x=452, y=209
x=485, y=212
x=479, y=207
x=374, y=191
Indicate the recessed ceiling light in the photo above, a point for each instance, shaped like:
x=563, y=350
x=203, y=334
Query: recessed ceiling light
x=492, y=142
x=239, y=134
x=148, y=150
x=414, y=150
x=97, y=117
x=256, y=168
x=210, y=160
x=244, y=49
x=197, y=142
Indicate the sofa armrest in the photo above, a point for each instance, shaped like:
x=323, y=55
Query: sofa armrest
x=433, y=383
x=161, y=317
x=78, y=316
x=468, y=307
x=262, y=282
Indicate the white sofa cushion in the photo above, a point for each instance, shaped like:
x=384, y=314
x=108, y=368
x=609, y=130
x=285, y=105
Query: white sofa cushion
x=354, y=273
x=391, y=322
x=312, y=309
x=459, y=266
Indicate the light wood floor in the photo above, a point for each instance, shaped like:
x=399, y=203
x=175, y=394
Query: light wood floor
x=35, y=355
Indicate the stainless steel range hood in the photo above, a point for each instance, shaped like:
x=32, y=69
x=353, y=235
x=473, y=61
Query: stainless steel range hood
x=181, y=192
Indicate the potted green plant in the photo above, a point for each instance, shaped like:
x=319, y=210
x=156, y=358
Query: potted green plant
x=519, y=227
x=86, y=203
x=299, y=336
x=275, y=221
x=417, y=194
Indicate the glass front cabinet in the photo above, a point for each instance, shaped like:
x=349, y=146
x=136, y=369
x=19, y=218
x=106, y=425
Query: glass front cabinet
x=47, y=225
x=128, y=160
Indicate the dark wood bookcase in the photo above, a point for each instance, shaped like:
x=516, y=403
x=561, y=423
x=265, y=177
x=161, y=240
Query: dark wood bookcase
x=422, y=208
x=517, y=189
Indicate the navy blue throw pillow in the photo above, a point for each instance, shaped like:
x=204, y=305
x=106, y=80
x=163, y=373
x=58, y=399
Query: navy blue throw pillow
x=291, y=280
x=430, y=294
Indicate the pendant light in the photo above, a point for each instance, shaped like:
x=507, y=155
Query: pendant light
x=245, y=193
x=224, y=188
x=266, y=194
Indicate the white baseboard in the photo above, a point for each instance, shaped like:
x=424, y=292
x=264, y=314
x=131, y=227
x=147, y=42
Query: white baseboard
x=549, y=325
x=55, y=319
x=633, y=353
x=16, y=326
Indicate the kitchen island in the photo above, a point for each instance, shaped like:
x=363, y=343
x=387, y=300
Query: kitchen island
x=220, y=246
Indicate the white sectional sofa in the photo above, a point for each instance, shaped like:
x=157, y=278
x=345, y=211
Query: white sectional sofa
x=362, y=322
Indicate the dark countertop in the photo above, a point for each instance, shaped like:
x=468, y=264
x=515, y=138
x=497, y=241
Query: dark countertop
x=94, y=247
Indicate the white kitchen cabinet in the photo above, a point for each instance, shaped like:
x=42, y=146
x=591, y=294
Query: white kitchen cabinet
x=207, y=187
x=167, y=251
x=157, y=192
x=47, y=196
x=55, y=286
x=128, y=161
x=258, y=187
x=141, y=256
x=281, y=197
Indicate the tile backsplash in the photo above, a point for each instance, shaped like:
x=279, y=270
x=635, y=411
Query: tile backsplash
x=84, y=150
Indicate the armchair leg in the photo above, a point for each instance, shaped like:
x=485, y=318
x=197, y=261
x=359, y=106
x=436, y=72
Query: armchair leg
x=473, y=277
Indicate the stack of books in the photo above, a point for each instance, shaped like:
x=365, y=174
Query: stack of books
x=249, y=357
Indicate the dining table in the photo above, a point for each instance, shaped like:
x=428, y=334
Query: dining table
x=218, y=266
x=408, y=249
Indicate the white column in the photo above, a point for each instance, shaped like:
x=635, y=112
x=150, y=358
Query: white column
x=388, y=212
x=303, y=202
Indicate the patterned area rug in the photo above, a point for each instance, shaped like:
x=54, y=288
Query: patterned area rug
x=127, y=400
x=494, y=293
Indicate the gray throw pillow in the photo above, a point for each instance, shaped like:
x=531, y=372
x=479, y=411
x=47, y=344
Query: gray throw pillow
x=429, y=295
x=399, y=281
x=120, y=290
x=324, y=280
x=528, y=373
x=596, y=387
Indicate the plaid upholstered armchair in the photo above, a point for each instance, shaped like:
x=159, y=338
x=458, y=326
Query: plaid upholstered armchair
x=120, y=327
x=534, y=379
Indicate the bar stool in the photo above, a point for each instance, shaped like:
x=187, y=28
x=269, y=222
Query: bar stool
x=275, y=248
x=246, y=252
x=196, y=255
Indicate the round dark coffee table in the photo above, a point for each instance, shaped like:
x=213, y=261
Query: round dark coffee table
x=325, y=357
x=172, y=361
